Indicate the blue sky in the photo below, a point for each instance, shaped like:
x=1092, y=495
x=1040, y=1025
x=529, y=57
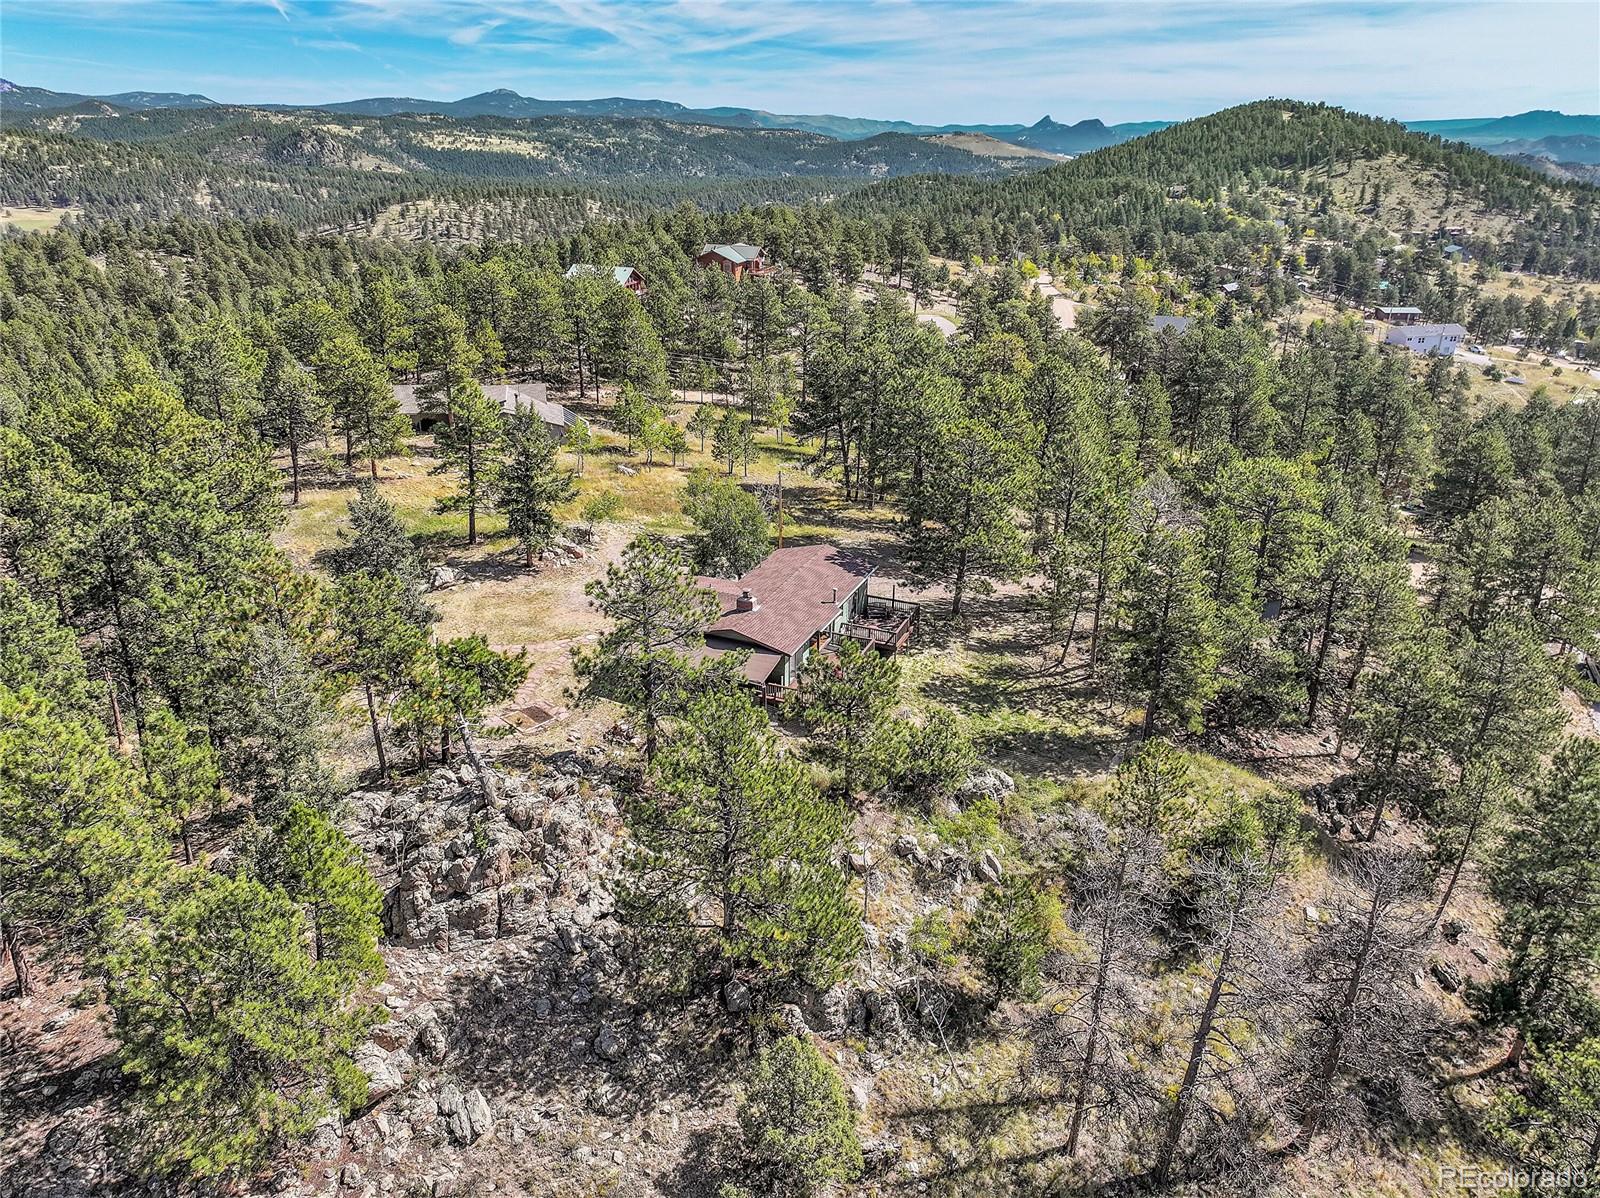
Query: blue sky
x=923, y=60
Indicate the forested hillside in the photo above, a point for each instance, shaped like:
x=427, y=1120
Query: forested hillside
x=317, y=169
x=1241, y=185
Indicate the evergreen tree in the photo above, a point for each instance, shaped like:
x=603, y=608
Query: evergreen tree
x=658, y=617
x=528, y=486
x=220, y=372
x=356, y=389
x=1546, y=877
x=1009, y=935
x=286, y=721
x=939, y=757
x=180, y=773
x=734, y=844
x=470, y=442
x=377, y=642
x=377, y=543
x=1551, y=1124
x=323, y=871
x=77, y=854
x=454, y=682
x=846, y=700
x=239, y=1041
x=797, y=1124
x=1171, y=646
x=293, y=411
x=962, y=516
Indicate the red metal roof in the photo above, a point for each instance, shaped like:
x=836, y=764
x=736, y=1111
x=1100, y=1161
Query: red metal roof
x=798, y=592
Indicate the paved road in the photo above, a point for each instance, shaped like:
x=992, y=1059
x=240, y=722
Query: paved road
x=1066, y=310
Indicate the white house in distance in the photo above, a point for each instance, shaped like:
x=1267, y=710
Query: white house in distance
x=1437, y=340
x=623, y=276
x=557, y=418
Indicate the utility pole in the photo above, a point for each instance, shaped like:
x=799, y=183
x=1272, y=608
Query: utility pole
x=780, y=509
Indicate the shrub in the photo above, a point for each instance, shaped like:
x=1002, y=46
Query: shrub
x=796, y=1120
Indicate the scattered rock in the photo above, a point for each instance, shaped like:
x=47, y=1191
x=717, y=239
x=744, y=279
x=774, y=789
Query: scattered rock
x=609, y=1046
x=629, y=471
x=861, y=1092
x=1446, y=975
x=861, y=859
x=443, y=576
x=350, y=1176
x=385, y=1071
x=793, y=1020
x=905, y=845
x=736, y=997
x=988, y=867
x=1312, y=914
x=986, y=783
x=480, y=1117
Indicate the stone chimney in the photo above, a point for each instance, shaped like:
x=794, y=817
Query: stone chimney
x=746, y=601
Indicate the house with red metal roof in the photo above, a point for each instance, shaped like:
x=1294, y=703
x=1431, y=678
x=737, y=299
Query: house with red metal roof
x=799, y=601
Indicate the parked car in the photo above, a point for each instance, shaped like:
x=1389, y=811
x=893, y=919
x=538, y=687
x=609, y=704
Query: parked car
x=1474, y=349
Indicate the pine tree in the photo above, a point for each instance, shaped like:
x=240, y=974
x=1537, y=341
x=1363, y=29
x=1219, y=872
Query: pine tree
x=356, y=389
x=1551, y=1124
x=239, y=1041
x=962, y=513
x=285, y=725
x=732, y=438
x=377, y=543
x=939, y=757
x=702, y=421
x=1171, y=646
x=470, y=442
x=528, y=485
x=797, y=1124
x=293, y=412
x=452, y=682
x=658, y=616
x=1402, y=713
x=77, y=854
x=221, y=371
x=1546, y=877
x=323, y=871
x=847, y=700
x=734, y=844
x=377, y=642
x=180, y=773
x=1009, y=935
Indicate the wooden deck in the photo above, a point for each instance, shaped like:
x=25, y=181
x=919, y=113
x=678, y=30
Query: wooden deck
x=887, y=623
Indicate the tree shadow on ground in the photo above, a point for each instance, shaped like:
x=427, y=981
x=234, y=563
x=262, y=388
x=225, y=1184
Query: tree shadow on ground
x=533, y=1028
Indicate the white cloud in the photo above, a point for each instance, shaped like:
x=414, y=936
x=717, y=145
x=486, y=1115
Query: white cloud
x=925, y=60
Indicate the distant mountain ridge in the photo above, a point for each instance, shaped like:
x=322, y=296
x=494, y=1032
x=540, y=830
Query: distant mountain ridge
x=1045, y=134
x=1536, y=134
x=1486, y=132
x=16, y=95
